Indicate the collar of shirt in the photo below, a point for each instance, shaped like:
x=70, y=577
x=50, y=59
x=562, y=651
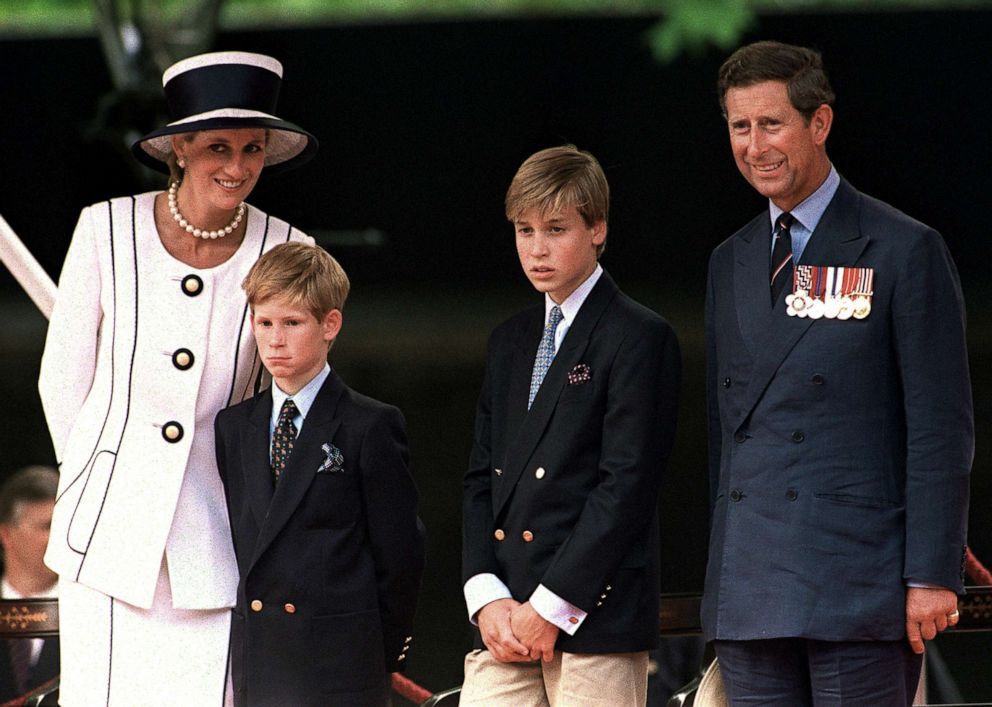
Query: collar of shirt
x=570, y=307
x=808, y=213
x=303, y=398
x=7, y=591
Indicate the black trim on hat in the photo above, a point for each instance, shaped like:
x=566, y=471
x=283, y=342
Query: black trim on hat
x=222, y=86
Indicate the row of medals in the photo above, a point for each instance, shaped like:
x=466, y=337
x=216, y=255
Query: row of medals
x=801, y=304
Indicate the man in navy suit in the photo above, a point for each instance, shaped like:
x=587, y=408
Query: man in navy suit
x=574, y=426
x=841, y=433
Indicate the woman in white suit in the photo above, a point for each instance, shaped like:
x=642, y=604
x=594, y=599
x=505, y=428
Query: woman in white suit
x=148, y=340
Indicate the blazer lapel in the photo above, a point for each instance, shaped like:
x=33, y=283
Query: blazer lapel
x=255, y=457
x=319, y=426
x=837, y=240
x=535, y=421
x=518, y=386
x=752, y=291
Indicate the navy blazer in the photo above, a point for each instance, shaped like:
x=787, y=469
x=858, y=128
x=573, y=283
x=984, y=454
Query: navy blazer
x=330, y=563
x=572, y=484
x=839, y=450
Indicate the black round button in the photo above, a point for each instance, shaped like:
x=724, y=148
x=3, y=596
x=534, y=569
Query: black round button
x=726, y=382
x=798, y=436
x=192, y=285
x=736, y=495
x=740, y=436
x=172, y=431
x=817, y=379
x=182, y=359
x=792, y=494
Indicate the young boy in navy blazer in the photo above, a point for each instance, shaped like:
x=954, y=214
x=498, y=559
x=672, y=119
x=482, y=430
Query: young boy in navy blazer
x=322, y=506
x=573, y=430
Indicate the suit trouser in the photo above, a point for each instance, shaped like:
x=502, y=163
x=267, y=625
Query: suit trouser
x=570, y=680
x=801, y=672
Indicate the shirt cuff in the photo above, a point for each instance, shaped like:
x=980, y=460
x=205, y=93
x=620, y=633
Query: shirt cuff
x=556, y=610
x=917, y=584
x=482, y=589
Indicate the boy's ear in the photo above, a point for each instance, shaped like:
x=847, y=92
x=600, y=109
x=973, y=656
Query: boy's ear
x=331, y=324
x=599, y=233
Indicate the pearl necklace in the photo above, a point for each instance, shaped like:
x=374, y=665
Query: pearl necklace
x=190, y=228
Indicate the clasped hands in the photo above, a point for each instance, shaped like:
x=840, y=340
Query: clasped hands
x=516, y=633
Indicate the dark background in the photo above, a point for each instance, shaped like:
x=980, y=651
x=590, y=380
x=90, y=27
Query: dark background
x=421, y=128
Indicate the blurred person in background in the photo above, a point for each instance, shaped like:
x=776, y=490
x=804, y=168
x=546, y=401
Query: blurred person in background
x=26, y=501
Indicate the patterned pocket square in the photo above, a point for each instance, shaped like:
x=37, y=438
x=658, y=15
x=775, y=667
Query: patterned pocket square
x=333, y=460
x=580, y=374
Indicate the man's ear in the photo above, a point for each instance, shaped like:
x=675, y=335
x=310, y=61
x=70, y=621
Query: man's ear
x=820, y=123
x=331, y=324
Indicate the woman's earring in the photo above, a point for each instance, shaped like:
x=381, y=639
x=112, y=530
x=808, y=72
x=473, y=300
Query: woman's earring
x=182, y=164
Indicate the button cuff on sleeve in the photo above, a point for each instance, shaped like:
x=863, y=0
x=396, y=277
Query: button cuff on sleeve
x=481, y=590
x=553, y=608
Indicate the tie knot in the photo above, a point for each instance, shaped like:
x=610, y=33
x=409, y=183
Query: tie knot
x=555, y=318
x=784, y=221
x=288, y=409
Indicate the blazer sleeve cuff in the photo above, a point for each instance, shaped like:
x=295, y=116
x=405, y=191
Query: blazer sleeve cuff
x=482, y=589
x=556, y=610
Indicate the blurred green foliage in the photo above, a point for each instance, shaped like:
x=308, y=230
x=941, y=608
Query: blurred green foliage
x=684, y=26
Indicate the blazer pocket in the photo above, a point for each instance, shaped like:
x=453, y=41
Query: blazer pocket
x=577, y=393
x=348, y=650
x=847, y=499
x=334, y=501
x=89, y=504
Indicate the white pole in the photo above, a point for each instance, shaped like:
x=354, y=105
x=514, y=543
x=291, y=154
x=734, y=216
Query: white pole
x=26, y=270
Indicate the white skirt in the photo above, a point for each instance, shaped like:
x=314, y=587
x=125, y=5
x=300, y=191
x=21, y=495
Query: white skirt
x=118, y=655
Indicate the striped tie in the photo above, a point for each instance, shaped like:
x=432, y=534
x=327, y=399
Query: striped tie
x=781, y=265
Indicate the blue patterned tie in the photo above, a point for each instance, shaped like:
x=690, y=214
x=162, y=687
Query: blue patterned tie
x=283, y=438
x=545, y=354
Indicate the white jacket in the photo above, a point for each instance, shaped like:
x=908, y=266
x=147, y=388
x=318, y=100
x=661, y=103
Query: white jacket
x=117, y=390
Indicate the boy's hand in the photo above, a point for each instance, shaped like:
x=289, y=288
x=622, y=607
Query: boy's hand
x=534, y=631
x=494, y=625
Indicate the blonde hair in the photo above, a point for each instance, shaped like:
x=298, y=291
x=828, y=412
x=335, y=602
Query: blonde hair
x=558, y=177
x=304, y=274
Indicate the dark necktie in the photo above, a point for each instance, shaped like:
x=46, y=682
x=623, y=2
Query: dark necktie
x=545, y=354
x=20, y=662
x=283, y=438
x=781, y=268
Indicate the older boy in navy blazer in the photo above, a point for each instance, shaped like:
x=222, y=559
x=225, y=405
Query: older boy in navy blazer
x=574, y=426
x=323, y=508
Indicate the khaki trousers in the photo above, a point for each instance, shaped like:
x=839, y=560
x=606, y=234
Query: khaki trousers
x=570, y=680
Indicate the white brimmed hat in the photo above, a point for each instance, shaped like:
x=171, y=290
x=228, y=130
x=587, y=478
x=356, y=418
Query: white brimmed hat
x=222, y=90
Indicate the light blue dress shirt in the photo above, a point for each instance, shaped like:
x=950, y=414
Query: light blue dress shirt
x=303, y=398
x=808, y=213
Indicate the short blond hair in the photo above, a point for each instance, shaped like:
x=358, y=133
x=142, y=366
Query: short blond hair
x=558, y=177
x=304, y=274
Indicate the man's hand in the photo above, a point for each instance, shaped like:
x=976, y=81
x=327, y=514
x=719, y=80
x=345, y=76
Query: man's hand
x=534, y=631
x=928, y=611
x=494, y=625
